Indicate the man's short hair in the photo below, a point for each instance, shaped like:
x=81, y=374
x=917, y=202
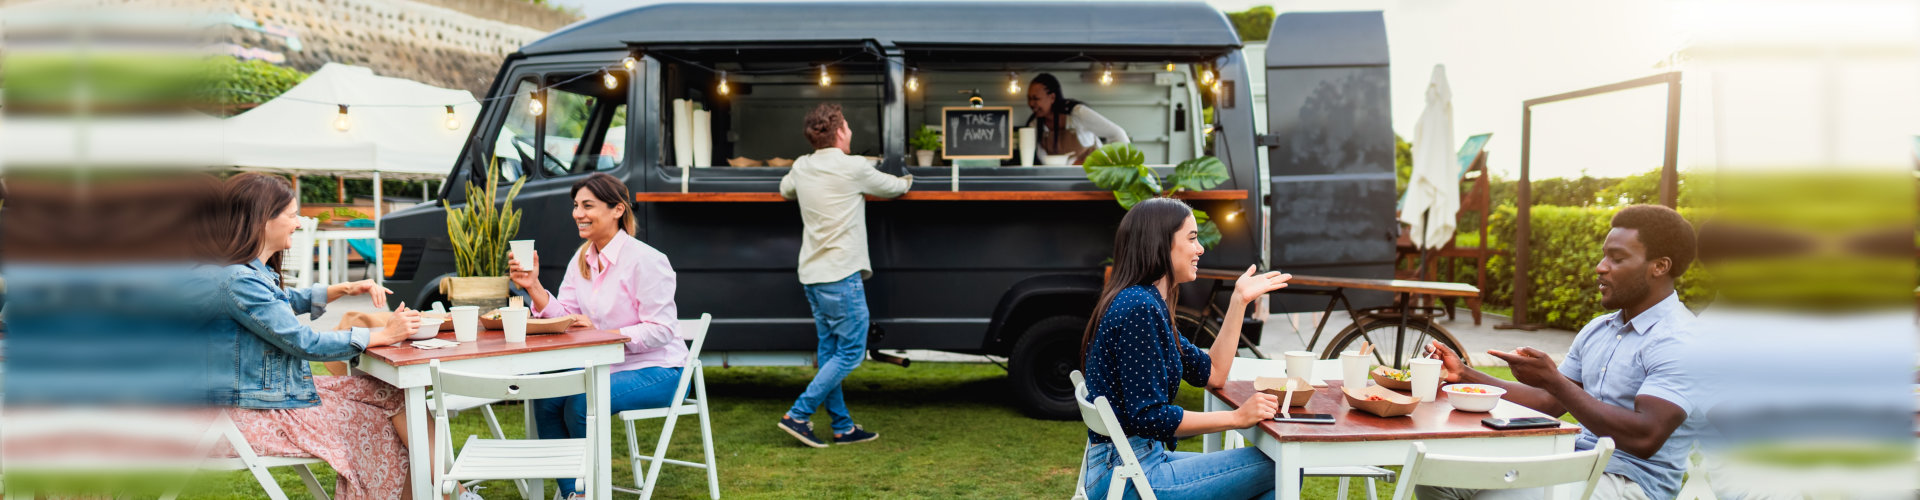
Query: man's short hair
x=823, y=125
x=1663, y=231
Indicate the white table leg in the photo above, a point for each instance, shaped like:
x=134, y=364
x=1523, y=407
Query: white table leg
x=1286, y=472
x=603, y=407
x=1563, y=444
x=536, y=488
x=420, y=468
x=1211, y=442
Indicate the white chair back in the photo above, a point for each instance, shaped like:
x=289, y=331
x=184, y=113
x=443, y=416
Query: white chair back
x=1503, y=473
x=692, y=378
x=298, y=262
x=515, y=387
x=1098, y=416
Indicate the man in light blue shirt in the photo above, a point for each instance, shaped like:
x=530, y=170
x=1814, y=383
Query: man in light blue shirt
x=1626, y=375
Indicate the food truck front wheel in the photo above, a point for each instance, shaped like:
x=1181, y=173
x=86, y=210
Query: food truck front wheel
x=1042, y=358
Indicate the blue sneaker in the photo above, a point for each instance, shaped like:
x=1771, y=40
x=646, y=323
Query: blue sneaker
x=857, y=435
x=802, y=431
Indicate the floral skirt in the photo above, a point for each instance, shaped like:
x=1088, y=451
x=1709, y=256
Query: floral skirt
x=352, y=430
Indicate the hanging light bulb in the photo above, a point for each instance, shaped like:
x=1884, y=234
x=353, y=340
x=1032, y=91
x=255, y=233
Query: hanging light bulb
x=629, y=62
x=1206, y=76
x=340, y=121
x=1106, y=75
x=1215, y=87
x=1169, y=67
x=453, y=122
x=1013, y=83
x=723, y=84
x=534, y=106
x=913, y=81
x=608, y=79
x=825, y=79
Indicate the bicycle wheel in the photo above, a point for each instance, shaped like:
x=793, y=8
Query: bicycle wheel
x=1196, y=326
x=1379, y=328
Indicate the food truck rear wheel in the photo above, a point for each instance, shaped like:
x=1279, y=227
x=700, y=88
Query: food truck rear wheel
x=1045, y=354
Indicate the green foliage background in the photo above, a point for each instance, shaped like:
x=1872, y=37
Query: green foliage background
x=1565, y=247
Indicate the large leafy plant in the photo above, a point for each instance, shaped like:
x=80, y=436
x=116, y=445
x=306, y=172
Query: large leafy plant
x=480, y=229
x=1123, y=169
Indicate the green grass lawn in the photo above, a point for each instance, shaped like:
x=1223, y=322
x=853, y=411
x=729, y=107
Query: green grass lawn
x=946, y=430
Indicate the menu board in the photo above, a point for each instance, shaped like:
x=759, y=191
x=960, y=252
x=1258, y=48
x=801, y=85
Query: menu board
x=976, y=133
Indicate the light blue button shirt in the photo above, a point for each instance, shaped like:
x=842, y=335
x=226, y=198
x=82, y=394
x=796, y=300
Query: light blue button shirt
x=1617, y=361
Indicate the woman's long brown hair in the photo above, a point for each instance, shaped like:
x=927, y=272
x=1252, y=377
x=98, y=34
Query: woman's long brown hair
x=611, y=192
x=248, y=201
x=1142, y=255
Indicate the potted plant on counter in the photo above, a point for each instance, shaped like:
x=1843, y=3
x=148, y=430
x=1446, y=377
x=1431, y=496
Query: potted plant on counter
x=479, y=232
x=925, y=142
x=1123, y=169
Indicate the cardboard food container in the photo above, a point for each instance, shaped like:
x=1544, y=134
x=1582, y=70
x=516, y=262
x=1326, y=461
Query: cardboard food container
x=1381, y=379
x=491, y=321
x=779, y=162
x=446, y=320
x=1393, y=404
x=745, y=162
x=1302, y=389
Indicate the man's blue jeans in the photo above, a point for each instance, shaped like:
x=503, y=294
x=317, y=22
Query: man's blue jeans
x=1222, y=475
x=840, y=319
x=565, y=417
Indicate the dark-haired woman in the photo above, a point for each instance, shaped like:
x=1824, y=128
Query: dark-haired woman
x=1134, y=357
x=1067, y=126
x=352, y=422
x=617, y=283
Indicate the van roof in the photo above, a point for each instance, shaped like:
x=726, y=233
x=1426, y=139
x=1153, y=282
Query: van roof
x=1171, y=24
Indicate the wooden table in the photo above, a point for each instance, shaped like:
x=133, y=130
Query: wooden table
x=406, y=367
x=1359, y=438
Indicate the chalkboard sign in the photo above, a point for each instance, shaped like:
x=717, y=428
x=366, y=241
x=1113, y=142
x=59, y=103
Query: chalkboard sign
x=976, y=133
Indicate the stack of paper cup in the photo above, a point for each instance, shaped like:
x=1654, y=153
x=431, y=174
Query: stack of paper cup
x=1426, y=378
x=1300, y=365
x=513, y=320
x=522, y=252
x=466, y=323
x=1353, y=369
x=682, y=133
x=1029, y=140
x=702, y=138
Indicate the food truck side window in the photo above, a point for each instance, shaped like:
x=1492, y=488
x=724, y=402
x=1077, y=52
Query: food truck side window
x=1156, y=108
x=585, y=125
x=757, y=122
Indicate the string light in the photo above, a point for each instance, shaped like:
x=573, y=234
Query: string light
x=825, y=79
x=340, y=121
x=1206, y=76
x=534, y=106
x=629, y=62
x=723, y=83
x=913, y=80
x=1169, y=67
x=453, y=122
x=1013, y=82
x=1215, y=87
x=606, y=77
x=1106, y=76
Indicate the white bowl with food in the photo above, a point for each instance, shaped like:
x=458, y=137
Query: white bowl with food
x=429, y=327
x=1473, y=397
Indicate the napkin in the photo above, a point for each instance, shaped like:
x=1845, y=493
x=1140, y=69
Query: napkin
x=434, y=344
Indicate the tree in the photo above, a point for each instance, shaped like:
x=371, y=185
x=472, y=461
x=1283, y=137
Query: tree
x=1253, y=24
x=1402, y=164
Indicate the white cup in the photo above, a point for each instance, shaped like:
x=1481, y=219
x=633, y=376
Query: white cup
x=1426, y=378
x=513, y=320
x=1300, y=365
x=521, y=250
x=1353, y=369
x=466, y=323
x=1029, y=141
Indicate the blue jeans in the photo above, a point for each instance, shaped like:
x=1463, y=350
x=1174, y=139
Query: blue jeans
x=840, y=319
x=1175, y=475
x=566, y=417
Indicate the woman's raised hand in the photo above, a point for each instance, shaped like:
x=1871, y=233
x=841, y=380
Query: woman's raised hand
x=1251, y=286
x=362, y=287
x=403, y=323
x=529, y=277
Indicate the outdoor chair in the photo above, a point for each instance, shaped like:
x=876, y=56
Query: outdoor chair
x=511, y=458
x=457, y=404
x=299, y=261
x=247, y=460
x=1098, y=415
x=1503, y=473
x=692, y=375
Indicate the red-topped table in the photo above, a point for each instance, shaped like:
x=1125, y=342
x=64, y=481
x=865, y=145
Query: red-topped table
x=405, y=367
x=1359, y=438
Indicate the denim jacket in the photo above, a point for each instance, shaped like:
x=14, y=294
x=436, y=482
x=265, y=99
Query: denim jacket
x=270, y=346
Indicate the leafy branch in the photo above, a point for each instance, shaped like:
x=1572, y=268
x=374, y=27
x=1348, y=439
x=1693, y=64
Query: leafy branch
x=1123, y=169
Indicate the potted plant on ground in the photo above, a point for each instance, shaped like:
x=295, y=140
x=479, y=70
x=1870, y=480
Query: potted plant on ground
x=925, y=142
x=1123, y=169
x=479, y=232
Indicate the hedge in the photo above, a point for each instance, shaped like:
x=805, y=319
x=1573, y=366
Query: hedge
x=1566, y=245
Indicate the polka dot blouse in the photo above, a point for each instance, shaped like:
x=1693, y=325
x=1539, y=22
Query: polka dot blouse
x=1137, y=361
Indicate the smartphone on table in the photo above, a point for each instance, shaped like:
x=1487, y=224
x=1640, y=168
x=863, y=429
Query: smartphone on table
x=1304, y=418
x=1506, y=424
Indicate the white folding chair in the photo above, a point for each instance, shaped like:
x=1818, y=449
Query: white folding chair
x=457, y=404
x=298, y=261
x=1503, y=473
x=1098, y=415
x=694, y=375
x=511, y=458
x=246, y=459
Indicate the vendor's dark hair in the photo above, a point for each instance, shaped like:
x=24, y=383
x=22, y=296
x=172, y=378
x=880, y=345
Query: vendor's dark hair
x=1142, y=255
x=823, y=125
x=608, y=190
x=1663, y=231
x=248, y=201
x=1062, y=106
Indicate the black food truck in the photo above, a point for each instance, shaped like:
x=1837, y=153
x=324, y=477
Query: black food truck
x=698, y=107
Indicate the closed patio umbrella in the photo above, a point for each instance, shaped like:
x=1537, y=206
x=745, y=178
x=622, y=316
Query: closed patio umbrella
x=1433, y=193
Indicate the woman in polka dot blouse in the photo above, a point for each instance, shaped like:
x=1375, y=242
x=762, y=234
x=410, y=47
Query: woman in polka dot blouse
x=1134, y=357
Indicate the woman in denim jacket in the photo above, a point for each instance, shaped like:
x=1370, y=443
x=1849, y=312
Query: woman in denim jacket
x=1134, y=357
x=355, y=423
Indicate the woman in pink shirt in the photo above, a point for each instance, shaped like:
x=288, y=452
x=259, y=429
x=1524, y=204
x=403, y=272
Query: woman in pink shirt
x=617, y=283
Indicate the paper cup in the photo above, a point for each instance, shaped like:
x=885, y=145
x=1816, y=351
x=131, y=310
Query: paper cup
x=521, y=249
x=466, y=323
x=1426, y=377
x=513, y=321
x=1353, y=369
x=1300, y=365
x=1029, y=141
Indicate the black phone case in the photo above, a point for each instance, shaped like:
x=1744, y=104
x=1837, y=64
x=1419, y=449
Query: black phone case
x=1489, y=422
x=1301, y=420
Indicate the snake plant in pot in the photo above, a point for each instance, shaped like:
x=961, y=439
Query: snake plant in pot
x=479, y=231
x=1123, y=169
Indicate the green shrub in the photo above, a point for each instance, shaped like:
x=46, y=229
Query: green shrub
x=1565, y=246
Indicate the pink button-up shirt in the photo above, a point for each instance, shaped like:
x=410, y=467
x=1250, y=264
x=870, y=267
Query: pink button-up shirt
x=631, y=291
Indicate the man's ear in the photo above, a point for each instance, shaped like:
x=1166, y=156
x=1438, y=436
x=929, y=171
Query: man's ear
x=1661, y=266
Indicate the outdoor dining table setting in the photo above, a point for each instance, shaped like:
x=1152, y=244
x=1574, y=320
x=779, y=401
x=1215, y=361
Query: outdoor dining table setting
x=1357, y=437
